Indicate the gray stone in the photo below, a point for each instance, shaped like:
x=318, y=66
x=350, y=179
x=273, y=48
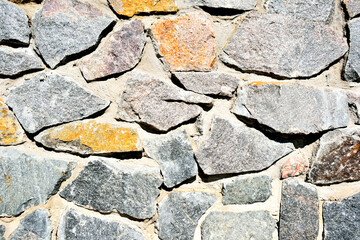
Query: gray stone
x=75, y=225
x=105, y=186
x=352, y=67
x=230, y=4
x=352, y=7
x=292, y=108
x=28, y=180
x=299, y=216
x=246, y=190
x=234, y=148
x=283, y=46
x=354, y=103
x=64, y=28
x=180, y=212
x=157, y=104
x=257, y=225
x=49, y=99
x=2, y=232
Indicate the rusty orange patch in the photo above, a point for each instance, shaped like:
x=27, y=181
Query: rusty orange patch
x=131, y=7
x=258, y=83
x=10, y=131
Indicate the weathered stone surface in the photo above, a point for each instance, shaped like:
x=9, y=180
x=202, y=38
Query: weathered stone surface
x=186, y=42
x=293, y=108
x=2, y=232
x=11, y=132
x=219, y=84
x=159, y=105
x=234, y=148
x=131, y=7
x=75, y=225
x=28, y=180
x=49, y=99
x=64, y=28
x=296, y=165
x=352, y=7
x=352, y=67
x=342, y=219
x=337, y=158
x=230, y=4
x=119, y=53
x=106, y=185
x=269, y=43
x=299, y=216
x=354, y=103
x=180, y=212
x=257, y=225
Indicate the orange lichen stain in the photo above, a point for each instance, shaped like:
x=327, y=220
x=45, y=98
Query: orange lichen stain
x=131, y=7
x=258, y=83
x=10, y=133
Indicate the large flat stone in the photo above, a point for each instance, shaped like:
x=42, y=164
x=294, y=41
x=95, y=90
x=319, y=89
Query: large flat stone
x=230, y=4
x=352, y=7
x=11, y=132
x=131, y=7
x=352, y=67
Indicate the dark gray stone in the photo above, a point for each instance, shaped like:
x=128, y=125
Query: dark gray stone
x=354, y=103
x=352, y=67
x=229, y=4
x=180, y=212
x=49, y=99
x=2, y=232
x=352, y=7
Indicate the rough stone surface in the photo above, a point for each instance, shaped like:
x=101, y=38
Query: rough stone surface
x=2, y=232
x=131, y=7
x=11, y=132
x=296, y=165
x=106, y=186
x=230, y=4
x=49, y=99
x=120, y=52
x=299, y=216
x=293, y=108
x=156, y=104
x=235, y=226
x=75, y=225
x=28, y=180
x=64, y=28
x=180, y=212
x=354, y=103
x=352, y=7
x=352, y=67
x=269, y=44
x=186, y=42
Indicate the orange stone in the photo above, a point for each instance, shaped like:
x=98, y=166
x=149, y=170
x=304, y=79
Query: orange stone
x=296, y=165
x=11, y=132
x=131, y=7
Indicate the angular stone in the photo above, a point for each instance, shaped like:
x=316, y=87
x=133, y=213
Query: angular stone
x=2, y=232
x=105, y=186
x=186, y=42
x=49, y=99
x=296, y=165
x=156, y=104
x=293, y=108
x=119, y=53
x=11, y=132
x=352, y=67
x=257, y=225
x=234, y=148
x=28, y=180
x=64, y=28
x=179, y=213
x=75, y=225
x=131, y=7
x=268, y=43
x=354, y=103
x=352, y=7
x=230, y=4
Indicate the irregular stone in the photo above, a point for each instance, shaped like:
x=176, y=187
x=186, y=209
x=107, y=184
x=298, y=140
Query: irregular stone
x=230, y=4
x=106, y=186
x=75, y=225
x=352, y=7
x=131, y=7
x=28, y=180
x=352, y=66
x=156, y=104
x=234, y=226
x=293, y=108
x=11, y=132
x=296, y=165
x=267, y=43
x=186, y=42
x=354, y=103
x=64, y=28
x=299, y=216
x=119, y=53
x=234, y=148
x=49, y=99
x=179, y=213
x=2, y=232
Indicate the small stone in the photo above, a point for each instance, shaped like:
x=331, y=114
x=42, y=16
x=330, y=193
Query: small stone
x=268, y=44
x=354, y=103
x=186, y=42
x=352, y=67
x=131, y=7
x=2, y=232
x=234, y=148
x=129, y=188
x=49, y=99
x=229, y=4
x=28, y=180
x=75, y=225
x=179, y=214
x=65, y=28
x=119, y=53
x=352, y=7
x=296, y=165
x=157, y=104
x=11, y=132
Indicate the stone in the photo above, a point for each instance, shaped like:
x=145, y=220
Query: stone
x=354, y=104
x=119, y=53
x=158, y=105
x=296, y=165
x=28, y=180
x=352, y=7
x=292, y=108
x=75, y=225
x=49, y=99
x=104, y=185
x=234, y=226
x=352, y=66
x=299, y=211
x=11, y=132
x=234, y=148
x=63, y=29
x=269, y=44
x=342, y=219
x=185, y=42
x=2, y=232
x=179, y=214
x=230, y=4
x=131, y=7
x=217, y=84
x=174, y=154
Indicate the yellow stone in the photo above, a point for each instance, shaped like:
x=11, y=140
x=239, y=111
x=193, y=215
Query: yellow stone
x=11, y=132
x=131, y=7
